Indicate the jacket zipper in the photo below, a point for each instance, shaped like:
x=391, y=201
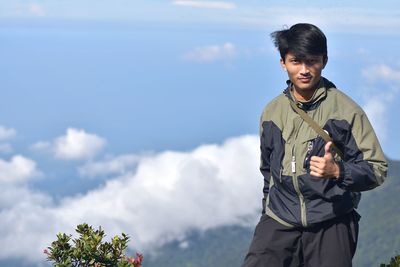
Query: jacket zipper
x=303, y=211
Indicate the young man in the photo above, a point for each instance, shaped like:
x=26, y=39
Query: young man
x=312, y=186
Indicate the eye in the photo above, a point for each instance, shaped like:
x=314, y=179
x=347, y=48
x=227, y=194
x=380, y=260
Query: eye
x=312, y=61
x=295, y=61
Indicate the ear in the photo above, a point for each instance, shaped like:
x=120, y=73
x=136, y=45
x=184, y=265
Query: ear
x=283, y=64
x=325, y=61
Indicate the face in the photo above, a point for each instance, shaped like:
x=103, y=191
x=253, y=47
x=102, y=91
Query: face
x=305, y=73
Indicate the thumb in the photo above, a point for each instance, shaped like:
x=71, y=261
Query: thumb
x=328, y=154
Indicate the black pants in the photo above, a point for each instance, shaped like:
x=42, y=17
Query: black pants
x=328, y=244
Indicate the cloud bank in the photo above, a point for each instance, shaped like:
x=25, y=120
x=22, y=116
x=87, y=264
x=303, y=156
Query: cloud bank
x=348, y=16
x=160, y=199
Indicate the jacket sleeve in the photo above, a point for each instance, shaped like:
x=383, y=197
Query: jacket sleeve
x=364, y=166
x=265, y=160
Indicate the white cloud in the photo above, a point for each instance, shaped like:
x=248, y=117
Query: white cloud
x=36, y=10
x=211, y=53
x=381, y=72
x=377, y=107
x=119, y=165
x=6, y=133
x=205, y=4
x=26, y=222
x=169, y=194
x=376, y=110
x=17, y=170
x=31, y=9
x=76, y=144
x=346, y=19
x=41, y=146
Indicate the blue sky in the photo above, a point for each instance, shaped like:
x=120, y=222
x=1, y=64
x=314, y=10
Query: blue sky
x=113, y=112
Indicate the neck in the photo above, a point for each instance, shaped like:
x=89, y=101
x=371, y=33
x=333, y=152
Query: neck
x=303, y=96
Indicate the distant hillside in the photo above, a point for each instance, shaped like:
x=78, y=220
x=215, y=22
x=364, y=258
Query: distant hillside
x=221, y=247
x=380, y=222
x=379, y=237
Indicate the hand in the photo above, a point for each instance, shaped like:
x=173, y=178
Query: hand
x=324, y=167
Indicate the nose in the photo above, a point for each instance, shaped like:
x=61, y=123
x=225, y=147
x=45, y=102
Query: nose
x=304, y=69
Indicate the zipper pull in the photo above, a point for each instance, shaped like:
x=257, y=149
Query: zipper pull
x=280, y=175
x=293, y=164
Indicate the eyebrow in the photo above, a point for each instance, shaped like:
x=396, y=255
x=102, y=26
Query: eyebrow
x=312, y=57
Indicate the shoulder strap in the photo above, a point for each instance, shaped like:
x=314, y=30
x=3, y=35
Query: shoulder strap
x=316, y=127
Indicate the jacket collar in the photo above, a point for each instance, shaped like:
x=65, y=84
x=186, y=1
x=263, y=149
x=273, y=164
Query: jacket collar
x=318, y=96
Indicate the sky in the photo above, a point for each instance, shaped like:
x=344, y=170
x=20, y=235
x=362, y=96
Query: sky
x=142, y=116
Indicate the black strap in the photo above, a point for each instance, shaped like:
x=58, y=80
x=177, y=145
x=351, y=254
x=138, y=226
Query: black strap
x=316, y=127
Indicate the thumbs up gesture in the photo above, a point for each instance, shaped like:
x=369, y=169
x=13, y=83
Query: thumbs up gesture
x=324, y=167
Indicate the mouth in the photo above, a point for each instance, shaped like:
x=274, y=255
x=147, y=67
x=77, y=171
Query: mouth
x=305, y=79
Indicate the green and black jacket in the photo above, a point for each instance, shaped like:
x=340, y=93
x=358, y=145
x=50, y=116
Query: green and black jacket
x=291, y=195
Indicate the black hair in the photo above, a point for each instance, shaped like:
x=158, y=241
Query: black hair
x=302, y=39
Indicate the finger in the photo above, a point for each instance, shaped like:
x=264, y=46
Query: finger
x=327, y=148
x=314, y=169
x=314, y=165
x=319, y=167
x=315, y=174
x=316, y=159
x=319, y=163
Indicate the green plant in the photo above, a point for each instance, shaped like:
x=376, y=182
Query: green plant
x=89, y=250
x=394, y=262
